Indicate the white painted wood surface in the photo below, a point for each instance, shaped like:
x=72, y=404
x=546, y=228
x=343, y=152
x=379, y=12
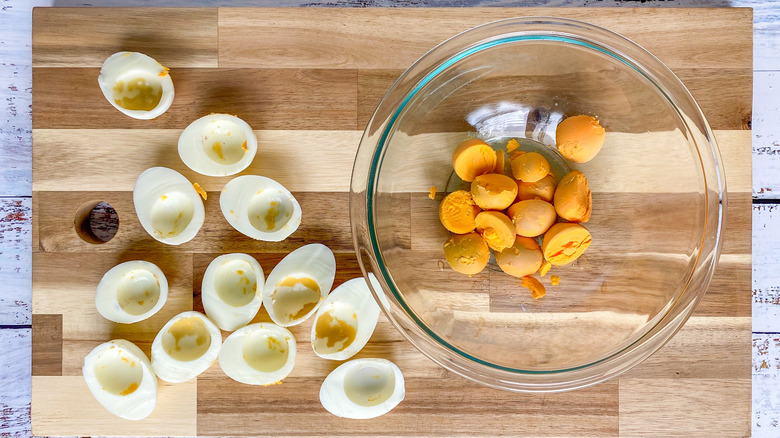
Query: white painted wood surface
x=15, y=185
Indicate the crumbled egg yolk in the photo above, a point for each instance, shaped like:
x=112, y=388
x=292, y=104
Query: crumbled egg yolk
x=472, y=158
x=573, y=200
x=493, y=191
x=536, y=288
x=555, y=280
x=579, y=138
x=512, y=145
x=565, y=242
x=458, y=211
x=543, y=189
x=432, y=192
x=545, y=268
x=467, y=253
x=497, y=229
x=523, y=258
x=532, y=217
x=200, y=191
x=529, y=166
x=137, y=94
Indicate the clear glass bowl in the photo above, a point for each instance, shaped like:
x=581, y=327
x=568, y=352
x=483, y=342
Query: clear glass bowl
x=658, y=188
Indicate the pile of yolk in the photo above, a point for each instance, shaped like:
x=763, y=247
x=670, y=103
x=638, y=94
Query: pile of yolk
x=493, y=191
x=497, y=229
x=472, y=158
x=467, y=253
x=523, y=258
x=579, y=138
x=542, y=189
x=458, y=211
x=573, y=200
x=532, y=217
x=529, y=166
x=565, y=242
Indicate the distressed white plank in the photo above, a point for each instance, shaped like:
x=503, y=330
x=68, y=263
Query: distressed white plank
x=15, y=261
x=15, y=382
x=766, y=135
x=766, y=276
x=766, y=380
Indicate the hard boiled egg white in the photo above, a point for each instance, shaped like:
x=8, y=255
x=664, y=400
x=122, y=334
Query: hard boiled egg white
x=345, y=321
x=185, y=347
x=260, y=208
x=258, y=354
x=362, y=389
x=136, y=85
x=298, y=284
x=168, y=206
x=120, y=377
x=218, y=145
x=232, y=290
x=131, y=292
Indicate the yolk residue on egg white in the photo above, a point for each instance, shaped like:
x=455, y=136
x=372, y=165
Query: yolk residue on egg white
x=117, y=374
x=187, y=339
x=333, y=334
x=472, y=158
x=235, y=283
x=565, y=242
x=294, y=297
x=224, y=141
x=138, y=94
x=579, y=138
x=493, y=191
x=573, y=200
x=265, y=352
x=137, y=291
x=171, y=214
x=457, y=212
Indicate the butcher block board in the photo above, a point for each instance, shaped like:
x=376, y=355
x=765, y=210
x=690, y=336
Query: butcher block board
x=308, y=81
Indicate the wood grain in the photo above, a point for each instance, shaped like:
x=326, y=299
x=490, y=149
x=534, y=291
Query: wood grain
x=177, y=37
x=47, y=345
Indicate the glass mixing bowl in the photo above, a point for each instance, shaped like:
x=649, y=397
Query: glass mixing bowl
x=658, y=188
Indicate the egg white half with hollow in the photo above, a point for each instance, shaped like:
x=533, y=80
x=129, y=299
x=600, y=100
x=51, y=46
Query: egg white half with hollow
x=185, y=347
x=298, y=283
x=362, y=389
x=232, y=290
x=131, y=292
x=345, y=321
x=136, y=84
x=260, y=208
x=121, y=378
x=218, y=145
x=258, y=354
x=168, y=206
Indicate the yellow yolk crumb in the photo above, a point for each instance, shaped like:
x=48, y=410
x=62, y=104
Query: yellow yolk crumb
x=565, y=242
x=500, y=161
x=497, y=229
x=493, y=191
x=529, y=167
x=523, y=258
x=543, y=189
x=200, y=191
x=545, y=268
x=579, y=138
x=536, y=288
x=555, y=280
x=573, y=200
x=511, y=145
x=472, y=158
x=457, y=212
x=532, y=217
x=467, y=253
x=432, y=192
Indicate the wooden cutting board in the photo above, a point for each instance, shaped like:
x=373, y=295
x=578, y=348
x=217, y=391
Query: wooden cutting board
x=308, y=81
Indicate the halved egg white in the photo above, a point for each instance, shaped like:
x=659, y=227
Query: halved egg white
x=121, y=378
x=232, y=290
x=298, y=284
x=362, y=389
x=131, y=292
x=185, y=347
x=258, y=354
x=260, y=208
x=168, y=206
x=136, y=85
x=218, y=145
x=345, y=321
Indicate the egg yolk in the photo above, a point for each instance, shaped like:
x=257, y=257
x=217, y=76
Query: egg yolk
x=536, y=288
x=187, y=339
x=573, y=200
x=545, y=268
x=523, y=258
x=512, y=145
x=138, y=94
x=543, y=189
x=472, y=158
x=565, y=242
x=532, y=217
x=555, y=280
x=457, y=212
x=493, y=191
x=500, y=161
x=579, y=138
x=467, y=253
x=497, y=229
x=333, y=334
x=529, y=167
x=295, y=297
